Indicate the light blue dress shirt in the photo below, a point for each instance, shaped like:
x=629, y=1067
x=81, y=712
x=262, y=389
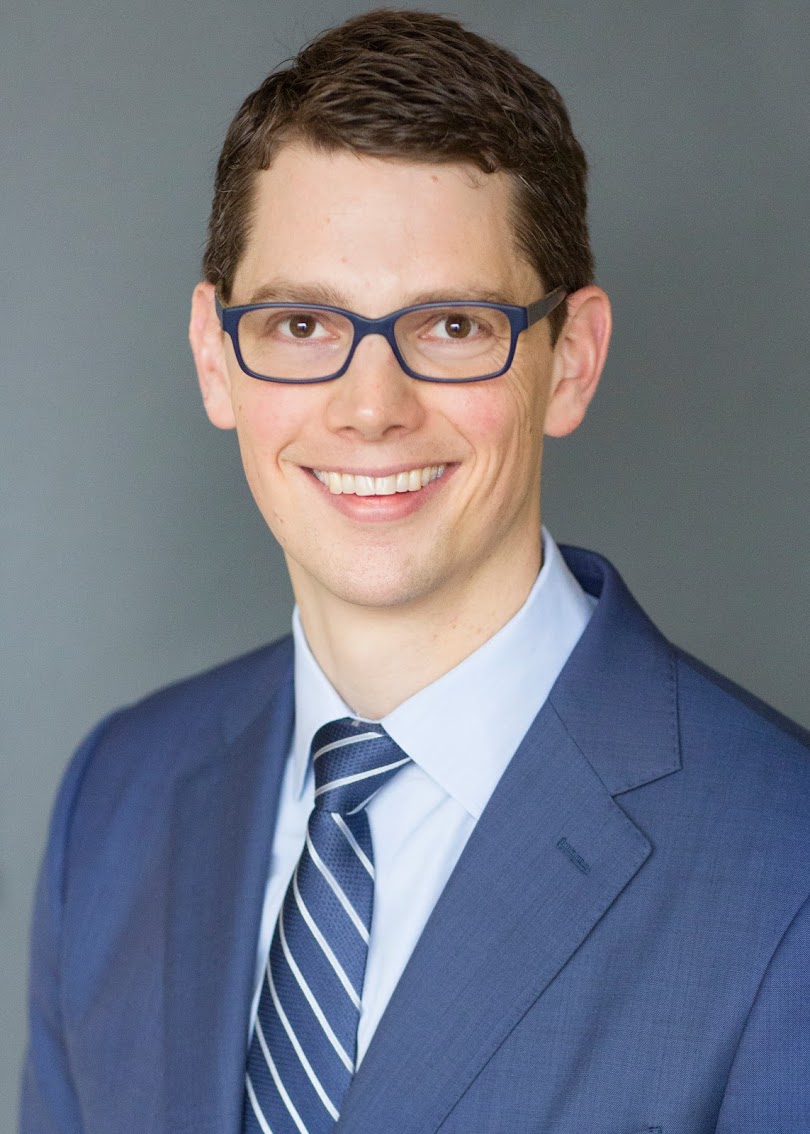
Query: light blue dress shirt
x=461, y=731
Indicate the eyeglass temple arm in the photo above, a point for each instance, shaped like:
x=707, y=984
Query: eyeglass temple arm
x=542, y=307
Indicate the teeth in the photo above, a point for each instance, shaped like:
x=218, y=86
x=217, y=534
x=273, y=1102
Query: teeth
x=350, y=484
x=364, y=485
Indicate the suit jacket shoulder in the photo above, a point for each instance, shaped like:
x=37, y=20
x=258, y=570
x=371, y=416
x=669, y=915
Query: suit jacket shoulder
x=140, y=751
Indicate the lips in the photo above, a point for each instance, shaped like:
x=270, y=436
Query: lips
x=356, y=484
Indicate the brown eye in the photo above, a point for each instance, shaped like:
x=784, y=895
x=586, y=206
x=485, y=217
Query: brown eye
x=302, y=326
x=458, y=326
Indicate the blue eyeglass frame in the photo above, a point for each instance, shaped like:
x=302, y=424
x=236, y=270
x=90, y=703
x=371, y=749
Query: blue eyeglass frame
x=520, y=319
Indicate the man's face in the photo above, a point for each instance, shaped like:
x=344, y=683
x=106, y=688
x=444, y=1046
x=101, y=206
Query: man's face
x=372, y=236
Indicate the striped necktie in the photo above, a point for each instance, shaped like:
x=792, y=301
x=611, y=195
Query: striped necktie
x=303, y=1050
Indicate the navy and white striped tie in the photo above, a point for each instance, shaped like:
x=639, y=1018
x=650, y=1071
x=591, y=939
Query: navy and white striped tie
x=304, y=1046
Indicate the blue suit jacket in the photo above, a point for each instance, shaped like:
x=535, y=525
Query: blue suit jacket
x=623, y=947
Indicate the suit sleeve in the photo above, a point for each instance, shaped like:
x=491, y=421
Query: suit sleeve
x=769, y=1085
x=49, y=1101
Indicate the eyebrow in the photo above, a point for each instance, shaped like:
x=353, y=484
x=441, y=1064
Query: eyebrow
x=285, y=291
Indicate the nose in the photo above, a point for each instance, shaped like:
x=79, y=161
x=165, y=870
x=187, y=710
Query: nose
x=375, y=398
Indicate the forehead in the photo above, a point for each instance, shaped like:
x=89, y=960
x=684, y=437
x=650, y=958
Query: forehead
x=380, y=231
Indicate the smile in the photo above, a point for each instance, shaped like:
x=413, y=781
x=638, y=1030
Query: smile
x=353, y=484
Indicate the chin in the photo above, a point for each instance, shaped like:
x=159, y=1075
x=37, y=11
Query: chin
x=376, y=585
x=380, y=594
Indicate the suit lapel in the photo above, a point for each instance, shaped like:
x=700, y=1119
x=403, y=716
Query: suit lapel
x=224, y=820
x=550, y=854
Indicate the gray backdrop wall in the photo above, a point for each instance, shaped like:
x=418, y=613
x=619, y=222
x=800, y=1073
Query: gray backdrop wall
x=132, y=553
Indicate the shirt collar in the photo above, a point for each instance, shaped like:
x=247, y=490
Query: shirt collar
x=507, y=679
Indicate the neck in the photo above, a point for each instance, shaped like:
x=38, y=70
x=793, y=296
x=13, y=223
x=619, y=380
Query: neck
x=378, y=657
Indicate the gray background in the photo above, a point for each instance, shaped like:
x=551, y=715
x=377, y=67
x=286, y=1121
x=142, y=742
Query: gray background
x=132, y=553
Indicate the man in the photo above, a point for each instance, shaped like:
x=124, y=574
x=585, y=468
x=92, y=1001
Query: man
x=586, y=856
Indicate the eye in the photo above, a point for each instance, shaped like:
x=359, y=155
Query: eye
x=455, y=326
x=300, y=325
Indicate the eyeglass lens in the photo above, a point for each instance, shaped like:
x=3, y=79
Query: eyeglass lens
x=299, y=343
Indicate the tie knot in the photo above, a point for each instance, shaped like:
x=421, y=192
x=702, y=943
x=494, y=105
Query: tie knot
x=352, y=760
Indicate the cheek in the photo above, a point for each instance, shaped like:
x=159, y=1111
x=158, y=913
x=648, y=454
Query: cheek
x=492, y=416
x=268, y=418
x=481, y=414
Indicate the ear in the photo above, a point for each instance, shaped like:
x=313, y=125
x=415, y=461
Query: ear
x=579, y=356
x=207, y=346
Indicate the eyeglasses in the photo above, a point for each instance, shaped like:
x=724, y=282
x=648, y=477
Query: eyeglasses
x=434, y=342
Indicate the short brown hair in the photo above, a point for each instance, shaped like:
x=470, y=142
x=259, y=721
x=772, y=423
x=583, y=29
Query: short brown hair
x=414, y=85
